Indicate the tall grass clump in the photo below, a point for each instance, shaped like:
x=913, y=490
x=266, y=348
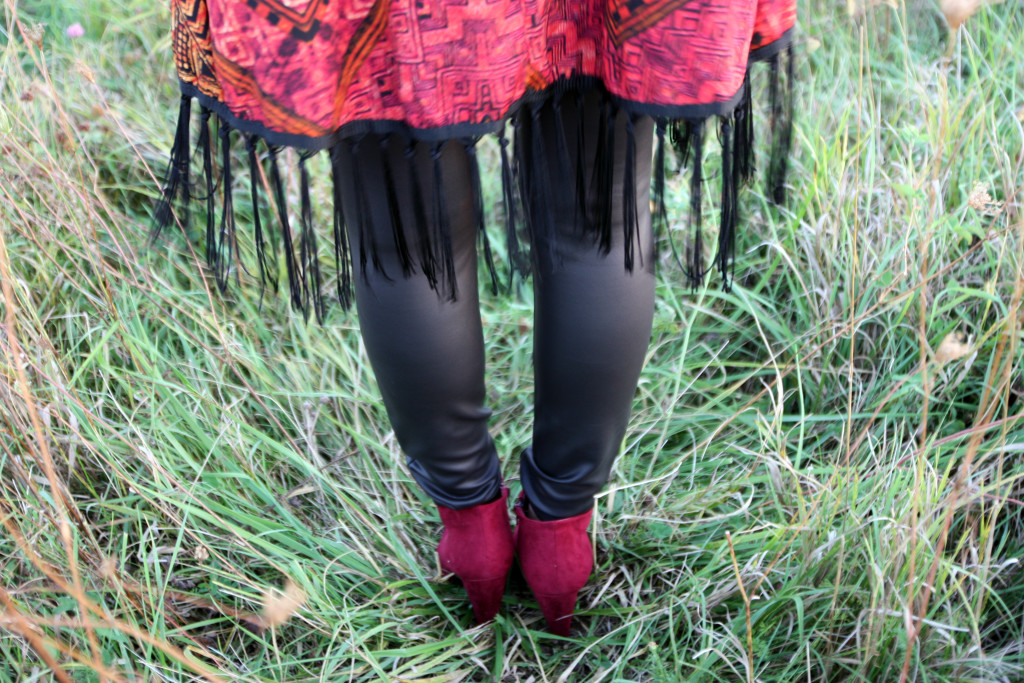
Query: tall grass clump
x=822, y=479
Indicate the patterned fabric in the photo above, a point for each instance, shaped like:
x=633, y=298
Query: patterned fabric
x=193, y=51
x=312, y=68
x=772, y=24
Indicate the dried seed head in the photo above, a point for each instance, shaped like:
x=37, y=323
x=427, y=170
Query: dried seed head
x=34, y=34
x=279, y=606
x=980, y=200
x=108, y=568
x=958, y=11
x=951, y=348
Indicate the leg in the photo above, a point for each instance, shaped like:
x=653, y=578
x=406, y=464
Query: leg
x=592, y=325
x=591, y=332
x=427, y=352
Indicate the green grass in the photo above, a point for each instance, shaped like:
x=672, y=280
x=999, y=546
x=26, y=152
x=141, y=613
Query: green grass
x=805, y=493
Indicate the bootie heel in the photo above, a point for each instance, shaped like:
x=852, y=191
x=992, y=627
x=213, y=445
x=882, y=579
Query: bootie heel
x=477, y=547
x=556, y=558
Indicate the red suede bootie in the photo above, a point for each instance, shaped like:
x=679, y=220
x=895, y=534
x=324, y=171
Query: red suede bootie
x=556, y=558
x=476, y=546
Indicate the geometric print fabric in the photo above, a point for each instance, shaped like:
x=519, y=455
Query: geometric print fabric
x=310, y=69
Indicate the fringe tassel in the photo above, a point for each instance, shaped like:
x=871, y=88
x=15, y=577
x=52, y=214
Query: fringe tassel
x=695, y=146
x=305, y=228
x=727, y=227
x=224, y=249
x=780, y=94
x=342, y=251
x=688, y=139
x=542, y=216
x=744, y=138
x=308, y=251
x=294, y=285
x=267, y=273
x=367, y=225
x=678, y=133
x=205, y=144
x=176, y=180
x=680, y=136
x=443, y=246
x=630, y=218
x=363, y=217
x=562, y=156
x=476, y=187
x=598, y=176
x=517, y=261
x=428, y=263
x=605, y=166
x=397, y=229
x=660, y=217
x=582, y=197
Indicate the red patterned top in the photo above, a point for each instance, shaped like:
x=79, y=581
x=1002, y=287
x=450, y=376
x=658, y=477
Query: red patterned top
x=308, y=69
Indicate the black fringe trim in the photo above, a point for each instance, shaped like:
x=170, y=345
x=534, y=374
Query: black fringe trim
x=342, y=252
x=205, y=145
x=525, y=180
x=537, y=183
x=309, y=254
x=476, y=187
x=221, y=253
x=604, y=169
x=176, y=181
x=428, y=262
x=630, y=215
x=365, y=223
x=731, y=179
x=659, y=219
x=280, y=199
x=745, y=139
x=518, y=263
x=444, y=252
x=266, y=266
x=394, y=211
x=693, y=151
x=581, y=169
x=689, y=139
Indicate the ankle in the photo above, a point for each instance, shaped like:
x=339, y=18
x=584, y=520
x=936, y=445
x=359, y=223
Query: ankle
x=534, y=514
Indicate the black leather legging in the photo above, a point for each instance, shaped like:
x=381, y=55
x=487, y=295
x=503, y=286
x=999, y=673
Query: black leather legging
x=591, y=330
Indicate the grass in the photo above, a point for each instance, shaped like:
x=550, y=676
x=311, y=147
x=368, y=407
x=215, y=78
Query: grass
x=814, y=486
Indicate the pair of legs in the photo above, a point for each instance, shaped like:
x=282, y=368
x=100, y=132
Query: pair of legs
x=592, y=316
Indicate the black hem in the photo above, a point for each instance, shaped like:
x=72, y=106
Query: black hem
x=354, y=129
x=766, y=52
